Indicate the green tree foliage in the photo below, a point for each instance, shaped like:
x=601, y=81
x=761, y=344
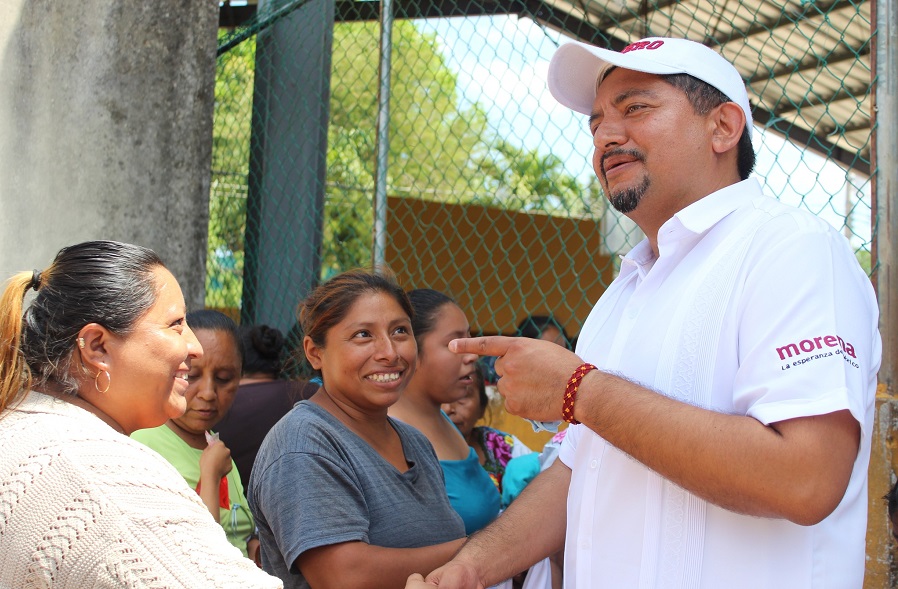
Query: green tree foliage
x=432, y=139
x=530, y=181
x=440, y=149
x=232, y=116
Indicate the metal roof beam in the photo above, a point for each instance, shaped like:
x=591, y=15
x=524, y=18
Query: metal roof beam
x=845, y=54
x=815, y=99
x=577, y=27
x=231, y=17
x=774, y=22
x=350, y=11
x=801, y=137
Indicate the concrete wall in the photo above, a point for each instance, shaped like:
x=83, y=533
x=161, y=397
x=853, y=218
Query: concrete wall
x=106, y=129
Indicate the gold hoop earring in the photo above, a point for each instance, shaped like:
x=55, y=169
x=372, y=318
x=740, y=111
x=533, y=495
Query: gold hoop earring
x=97, y=381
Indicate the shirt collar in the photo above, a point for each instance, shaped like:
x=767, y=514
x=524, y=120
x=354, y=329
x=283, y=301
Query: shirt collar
x=693, y=220
x=708, y=211
x=640, y=259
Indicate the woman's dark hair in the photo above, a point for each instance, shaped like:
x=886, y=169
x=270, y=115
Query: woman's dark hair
x=209, y=320
x=533, y=326
x=480, y=385
x=103, y=282
x=262, y=348
x=427, y=304
x=329, y=303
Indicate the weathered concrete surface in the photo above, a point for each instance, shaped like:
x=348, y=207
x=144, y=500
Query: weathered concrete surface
x=106, y=129
x=881, y=562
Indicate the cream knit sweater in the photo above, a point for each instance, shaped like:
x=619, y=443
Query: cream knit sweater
x=83, y=506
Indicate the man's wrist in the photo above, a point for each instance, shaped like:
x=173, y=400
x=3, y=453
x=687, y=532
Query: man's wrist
x=570, y=392
x=467, y=555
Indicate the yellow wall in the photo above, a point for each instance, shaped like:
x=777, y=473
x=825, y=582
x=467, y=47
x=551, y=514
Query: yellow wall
x=499, y=265
x=498, y=418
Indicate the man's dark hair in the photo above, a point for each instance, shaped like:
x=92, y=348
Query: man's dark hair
x=703, y=98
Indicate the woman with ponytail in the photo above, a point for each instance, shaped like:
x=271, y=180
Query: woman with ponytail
x=102, y=350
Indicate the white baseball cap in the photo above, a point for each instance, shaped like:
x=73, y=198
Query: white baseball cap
x=576, y=68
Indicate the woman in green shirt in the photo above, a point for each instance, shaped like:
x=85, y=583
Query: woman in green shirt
x=188, y=443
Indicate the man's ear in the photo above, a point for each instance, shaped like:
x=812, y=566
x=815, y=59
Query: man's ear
x=313, y=352
x=729, y=123
x=93, y=345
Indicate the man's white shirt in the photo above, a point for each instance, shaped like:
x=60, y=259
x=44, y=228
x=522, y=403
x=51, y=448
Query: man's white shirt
x=751, y=308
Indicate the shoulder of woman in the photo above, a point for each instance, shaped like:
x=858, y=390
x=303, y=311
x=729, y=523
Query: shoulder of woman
x=305, y=429
x=161, y=439
x=413, y=436
x=407, y=431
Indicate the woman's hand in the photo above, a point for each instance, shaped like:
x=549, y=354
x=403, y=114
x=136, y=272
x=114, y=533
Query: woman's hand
x=416, y=581
x=215, y=464
x=254, y=550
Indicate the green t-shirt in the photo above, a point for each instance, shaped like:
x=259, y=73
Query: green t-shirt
x=236, y=519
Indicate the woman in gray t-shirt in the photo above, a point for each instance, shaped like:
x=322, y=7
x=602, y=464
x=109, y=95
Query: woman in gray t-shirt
x=341, y=493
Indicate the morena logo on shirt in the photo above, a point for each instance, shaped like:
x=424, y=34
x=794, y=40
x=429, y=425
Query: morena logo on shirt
x=814, y=344
x=642, y=45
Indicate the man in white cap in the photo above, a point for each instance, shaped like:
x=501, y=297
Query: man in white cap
x=721, y=395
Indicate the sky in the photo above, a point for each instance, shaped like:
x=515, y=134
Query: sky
x=501, y=62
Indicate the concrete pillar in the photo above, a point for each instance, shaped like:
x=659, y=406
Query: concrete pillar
x=288, y=162
x=106, y=129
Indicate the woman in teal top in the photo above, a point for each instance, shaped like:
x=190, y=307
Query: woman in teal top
x=187, y=442
x=444, y=377
x=469, y=494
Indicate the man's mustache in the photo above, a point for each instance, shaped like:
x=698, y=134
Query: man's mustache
x=616, y=152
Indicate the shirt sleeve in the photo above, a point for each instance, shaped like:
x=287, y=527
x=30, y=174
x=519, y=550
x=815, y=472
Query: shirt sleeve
x=807, y=340
x=519, y=448
x=136, y=523
x=569, y=444
x=327, y=508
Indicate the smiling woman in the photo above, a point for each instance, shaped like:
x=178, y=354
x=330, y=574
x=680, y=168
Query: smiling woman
x=343, y=495
x=102, y=350
x=187, y=440
x=446, y=377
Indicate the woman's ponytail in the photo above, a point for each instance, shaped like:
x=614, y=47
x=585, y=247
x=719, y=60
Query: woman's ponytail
x=15, y=376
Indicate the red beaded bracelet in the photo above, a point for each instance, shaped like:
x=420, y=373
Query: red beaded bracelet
x=570, y=392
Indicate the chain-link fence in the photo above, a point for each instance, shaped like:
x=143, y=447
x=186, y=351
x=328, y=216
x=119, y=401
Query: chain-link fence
x=488, y=191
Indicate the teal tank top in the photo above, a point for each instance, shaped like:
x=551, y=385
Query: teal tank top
x=472, y=493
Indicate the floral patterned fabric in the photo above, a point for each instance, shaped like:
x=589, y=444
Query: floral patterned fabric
x=498, y=448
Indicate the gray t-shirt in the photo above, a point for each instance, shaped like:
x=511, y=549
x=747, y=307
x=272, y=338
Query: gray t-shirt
x=316, y=483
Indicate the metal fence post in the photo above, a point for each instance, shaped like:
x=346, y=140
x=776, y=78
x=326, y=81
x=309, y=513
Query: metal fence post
x=383, y=133
x=881, y=556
